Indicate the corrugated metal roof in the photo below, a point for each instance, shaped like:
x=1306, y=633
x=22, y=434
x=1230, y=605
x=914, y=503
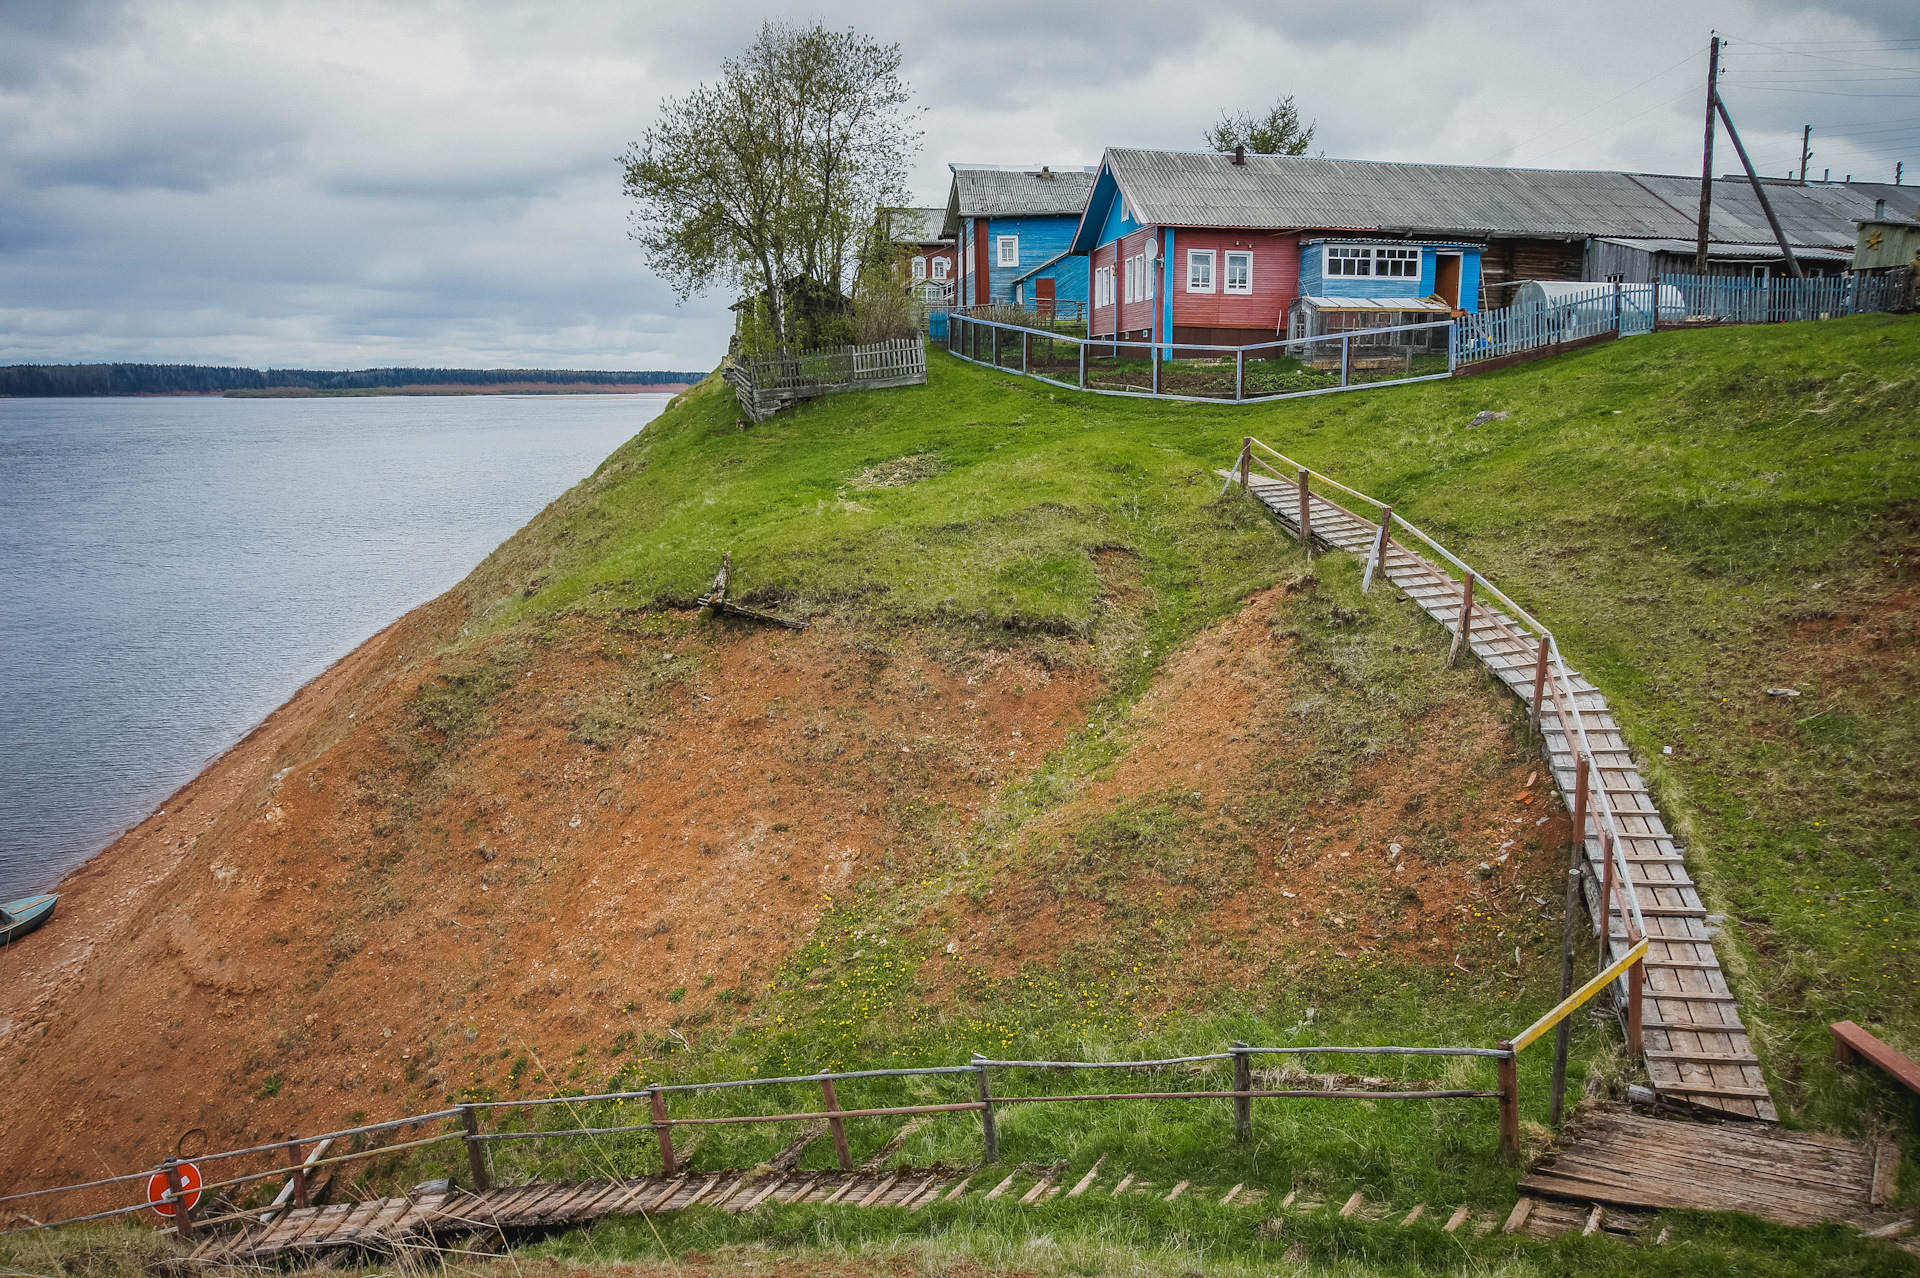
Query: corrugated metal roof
x=915, y=226
x=1169, y=188
x=1721, y=252
x=1004, y=192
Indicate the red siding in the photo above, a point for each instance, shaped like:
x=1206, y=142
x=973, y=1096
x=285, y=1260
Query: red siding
x=1134, y=316
x=1276, y=280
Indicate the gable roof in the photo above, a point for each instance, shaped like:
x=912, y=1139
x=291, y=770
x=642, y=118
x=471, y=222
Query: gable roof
x=997, y=190
x=914, y=226
x=1283, y=192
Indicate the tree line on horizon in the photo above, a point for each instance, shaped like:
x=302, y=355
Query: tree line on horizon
x=205, y=379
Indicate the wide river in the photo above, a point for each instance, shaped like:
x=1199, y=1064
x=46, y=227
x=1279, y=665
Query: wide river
x=173, y=569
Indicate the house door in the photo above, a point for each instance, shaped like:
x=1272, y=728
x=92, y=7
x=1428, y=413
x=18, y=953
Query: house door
x=1446, y=278
x=1043, y=296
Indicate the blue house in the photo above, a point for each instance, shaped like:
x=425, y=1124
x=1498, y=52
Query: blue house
x=1012, y=227
x=1352, y=283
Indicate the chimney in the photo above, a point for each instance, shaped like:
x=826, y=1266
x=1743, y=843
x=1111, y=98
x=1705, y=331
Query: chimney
x=1240, y=155
x=1046, y=172
x=1879, y=210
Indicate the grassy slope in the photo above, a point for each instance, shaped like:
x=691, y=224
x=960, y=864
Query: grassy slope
x=1673, y=505
x=1668, y=504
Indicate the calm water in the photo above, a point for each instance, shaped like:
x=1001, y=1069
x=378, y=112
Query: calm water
x=173, y=569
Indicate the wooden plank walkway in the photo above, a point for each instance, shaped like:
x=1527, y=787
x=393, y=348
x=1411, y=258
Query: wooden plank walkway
x=1796, y=1178
x=438, y=1215
x=1697, y=1049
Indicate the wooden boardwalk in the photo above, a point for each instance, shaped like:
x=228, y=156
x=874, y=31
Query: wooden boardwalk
x=437, y=1215
x=1696, y=1048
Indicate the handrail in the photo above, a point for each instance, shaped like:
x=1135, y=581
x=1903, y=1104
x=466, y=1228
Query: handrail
x=1565, y=696
x=1115, y=340
x=1573, y=1002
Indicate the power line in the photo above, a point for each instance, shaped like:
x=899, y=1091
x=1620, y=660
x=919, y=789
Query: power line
x=1513, y=150
x=1688, y=92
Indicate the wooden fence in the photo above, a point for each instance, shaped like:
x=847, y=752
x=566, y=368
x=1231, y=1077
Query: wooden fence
x=298, y=1159
x=766, y=384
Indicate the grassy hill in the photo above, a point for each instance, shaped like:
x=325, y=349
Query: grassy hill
x=1200, y=851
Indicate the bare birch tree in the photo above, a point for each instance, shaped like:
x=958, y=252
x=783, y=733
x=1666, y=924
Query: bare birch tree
x=767, y=178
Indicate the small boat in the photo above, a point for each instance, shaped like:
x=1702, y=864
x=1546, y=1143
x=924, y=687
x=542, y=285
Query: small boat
x=17, y=918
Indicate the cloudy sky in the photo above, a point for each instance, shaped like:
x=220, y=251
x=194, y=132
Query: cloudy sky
x=345, y=183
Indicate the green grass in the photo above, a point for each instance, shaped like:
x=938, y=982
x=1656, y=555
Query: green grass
x=1680, y=508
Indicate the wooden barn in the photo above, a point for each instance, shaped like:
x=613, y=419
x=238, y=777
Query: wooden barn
x=1012, y=226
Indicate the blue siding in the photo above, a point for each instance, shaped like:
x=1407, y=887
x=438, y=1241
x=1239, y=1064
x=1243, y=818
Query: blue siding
x=1040, y=239
x=1470, y=282
x=1315, y=282
x=1117, y=224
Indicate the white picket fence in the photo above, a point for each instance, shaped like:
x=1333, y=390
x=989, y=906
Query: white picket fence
x=766, y=384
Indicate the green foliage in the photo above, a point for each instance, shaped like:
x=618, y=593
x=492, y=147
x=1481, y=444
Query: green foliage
x=1278, y=132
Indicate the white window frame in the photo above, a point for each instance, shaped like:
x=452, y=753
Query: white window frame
x=1400, y=257
x=1146, y=276
x=1006, y=250
x=940, y=269
x=1194, y=258
x=1362, y=258
x=919, y=269
x=1245, y=258
x=1133, y=279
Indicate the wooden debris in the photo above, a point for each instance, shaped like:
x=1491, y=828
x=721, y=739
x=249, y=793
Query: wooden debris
x=1353, y=1204
x=1087, y=1179
x=1176, y=1191
x=1231, y=1193
x=1518, y=1216
x=1419, y=1210
x=717, y=600
x=1458, y=1218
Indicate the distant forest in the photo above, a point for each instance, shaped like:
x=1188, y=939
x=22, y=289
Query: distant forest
x=173, y=379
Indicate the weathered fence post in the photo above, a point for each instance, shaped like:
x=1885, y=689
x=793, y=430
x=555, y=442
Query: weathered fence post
x=1026, y=348
x=989, y=1127
x=1083, y=365
x=299, y=1152
x=182, y=1210
x=1462, y=633
x=662, y=1128
x=1656, y=303
x=1242, y=1083
x=1239, y=374
x=1579, y=804
x=1635, y=987
x=1539, y=684
x=1509, y=1100
x=1563, y=1033
x=1346, y=354
x=1246, y=459
x=476, y=1154
x=1606, y=894
x=1378, y=559
x=1153, y=358
x=838, y=1126
x=1306, y=516
x=993, y=344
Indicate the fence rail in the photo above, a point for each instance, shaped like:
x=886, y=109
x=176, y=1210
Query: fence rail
x=765, y=384
x=291, y=1158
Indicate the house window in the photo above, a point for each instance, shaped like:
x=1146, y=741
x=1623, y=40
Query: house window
x=1009, y=246
x=1103, y=286
x=1239, y=274
x=1146, y=278
x=1345, y=260
x=1200, y=270
x=1132, y=281
x=939, y=268
x=1019, y=294
x=919, y=269
x=1398, y=263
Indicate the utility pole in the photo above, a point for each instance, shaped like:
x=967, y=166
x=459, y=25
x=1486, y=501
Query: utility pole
x=1806, y=150
x=1899, y=171
x=1759, y=193
x=1706, y=159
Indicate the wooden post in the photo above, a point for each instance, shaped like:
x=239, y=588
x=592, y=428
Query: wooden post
x=1563, y=1032
x=1242, y=1083
x=1240, y=374
x=1306, y=516
x=663, y=1129
x=1378, y=559
x=1083, y=365
x=1345, y=352
x=182, y=1212
x=837, y=1125
x=1153, y=357
x=1579, y=809
x=476, y=1155
x=1509, y=1101
x=1026, y=346
x=1246, y=459
x=1606, y=897
x=1540, y=681
x=1635, y=984
x=299, y=1152
x=989, y=1127
x=1463, y=631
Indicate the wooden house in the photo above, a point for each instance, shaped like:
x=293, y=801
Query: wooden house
x=926, y=251
x=1012, y=227
x=1234, y=249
